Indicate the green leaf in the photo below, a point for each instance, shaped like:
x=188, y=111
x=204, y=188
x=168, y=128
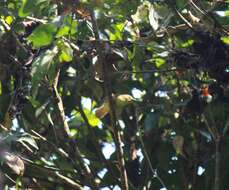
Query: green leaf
x=187, y=43
x=43, y=35
x=92, y=119
x=26, y=8
x=181, y=4
x=29, y=6
x=66, y=52
x=63, y=31
x=225, y=39
x=159, y=62
x=116, y=32
x=40, y=67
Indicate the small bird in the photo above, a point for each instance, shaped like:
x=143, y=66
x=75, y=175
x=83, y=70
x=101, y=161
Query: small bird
x=205, y=95
x=120, y=102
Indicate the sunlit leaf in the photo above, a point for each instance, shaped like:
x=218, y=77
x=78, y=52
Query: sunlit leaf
x=159, y=62
x=65, y=52
x=63, y=31
x=9, y=20
x=225, y=39
x=43, y=35
x=92, y=118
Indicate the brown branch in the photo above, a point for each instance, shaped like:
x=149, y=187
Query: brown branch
x=67, y=134
x=60, y=105
x=64, y=179
x=107, y=89
x=148, y=71
x=170, y=30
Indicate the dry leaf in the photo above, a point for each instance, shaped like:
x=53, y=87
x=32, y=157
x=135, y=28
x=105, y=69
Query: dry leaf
x=178, y=143
x=7, y=123
x=103, y=109
x=15, y=163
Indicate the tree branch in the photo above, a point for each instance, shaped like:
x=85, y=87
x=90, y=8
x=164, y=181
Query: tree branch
x=67, y=134
x=60, y=105
x=108, y=92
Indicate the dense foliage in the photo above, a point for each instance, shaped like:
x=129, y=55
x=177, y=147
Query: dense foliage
x=114, y=94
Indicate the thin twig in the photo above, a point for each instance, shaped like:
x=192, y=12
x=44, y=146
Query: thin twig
x=209, y=127
x=67, y=134
x=42, y=21
x=225, y=129
x=60, y=105
x=107, y=89
x=216, y=137
x=147, y=71
x=154, y=171
x=217, y=164
x=69, y=181
x=184, y=19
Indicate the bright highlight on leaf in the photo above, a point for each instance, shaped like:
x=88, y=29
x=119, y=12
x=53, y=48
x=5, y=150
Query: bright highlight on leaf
x=66, y=52
x=92, y=119
x=225, y=39
x=43, y=35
